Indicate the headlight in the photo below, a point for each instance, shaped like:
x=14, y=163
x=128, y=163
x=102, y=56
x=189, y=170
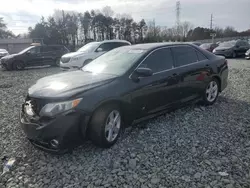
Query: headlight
x=53, y=109
x=75, y=58
x=214, y=51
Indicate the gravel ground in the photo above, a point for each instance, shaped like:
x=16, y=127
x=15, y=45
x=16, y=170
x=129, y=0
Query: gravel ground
x=195, y=146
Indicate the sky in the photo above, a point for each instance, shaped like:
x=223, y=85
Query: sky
x=21, y=14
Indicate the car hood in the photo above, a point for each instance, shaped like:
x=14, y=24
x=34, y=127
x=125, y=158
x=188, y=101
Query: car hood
x=223, y=48
x=68, y=84
x=9, y=56
x=73, y=54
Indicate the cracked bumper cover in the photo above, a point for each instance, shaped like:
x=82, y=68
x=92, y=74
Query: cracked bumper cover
x=67, y=129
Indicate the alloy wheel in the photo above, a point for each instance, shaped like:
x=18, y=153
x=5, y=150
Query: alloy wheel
x=112, y=126
x=212, y=91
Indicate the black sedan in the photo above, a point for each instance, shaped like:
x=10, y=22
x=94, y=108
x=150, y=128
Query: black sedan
x=120, y=88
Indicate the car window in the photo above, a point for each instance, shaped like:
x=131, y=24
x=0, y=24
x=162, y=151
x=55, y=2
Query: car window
x=35, y=50
x=245, y=43
x=106, y=46
x=201, y=57
x=119, y=44
x=159, y=60
x=47, y=49
x=239, y=43
x=184, y=55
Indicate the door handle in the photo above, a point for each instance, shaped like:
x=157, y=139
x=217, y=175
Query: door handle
x=207, y=65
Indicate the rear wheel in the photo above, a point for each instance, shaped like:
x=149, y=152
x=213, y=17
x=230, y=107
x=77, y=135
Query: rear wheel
x=57, y=62
x=105, y=126
x=18, y=65
x=234, y=55
x=211, y=92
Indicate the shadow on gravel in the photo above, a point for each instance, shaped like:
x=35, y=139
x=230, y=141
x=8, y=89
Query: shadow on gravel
x=190, y=147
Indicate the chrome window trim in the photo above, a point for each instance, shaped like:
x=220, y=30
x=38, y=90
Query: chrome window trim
x=173, y=67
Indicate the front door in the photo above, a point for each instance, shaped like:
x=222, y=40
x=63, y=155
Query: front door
x=157, y=92
x=34, y=57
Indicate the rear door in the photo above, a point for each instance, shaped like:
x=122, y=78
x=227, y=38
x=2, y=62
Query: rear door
x=157, y=92
x=48, y=53
x=192, y=69
x=34, y=57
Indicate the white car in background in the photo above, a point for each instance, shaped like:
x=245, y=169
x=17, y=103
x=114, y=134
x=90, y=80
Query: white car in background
x=3, y=53
x=88, y=52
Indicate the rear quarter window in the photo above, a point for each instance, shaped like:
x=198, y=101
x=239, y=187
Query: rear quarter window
x=200, y=55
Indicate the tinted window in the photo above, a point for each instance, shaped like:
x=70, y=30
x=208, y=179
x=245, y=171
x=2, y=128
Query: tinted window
x=47, y=49
x=35, y=50
x=240, y=43
x=201, y=57
x=106, y=46
x=245, y=43
x=184, y=55
x=159, y=60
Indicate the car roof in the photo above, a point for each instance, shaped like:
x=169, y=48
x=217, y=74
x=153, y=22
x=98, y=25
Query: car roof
x=106, y=41
x=151, y=46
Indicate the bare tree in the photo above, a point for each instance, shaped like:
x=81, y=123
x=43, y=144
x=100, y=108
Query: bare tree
x=107, y=11
x=185, y=28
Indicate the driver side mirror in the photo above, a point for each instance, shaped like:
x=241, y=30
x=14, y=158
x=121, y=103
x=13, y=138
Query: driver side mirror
x=99, y=50
x=141, y=72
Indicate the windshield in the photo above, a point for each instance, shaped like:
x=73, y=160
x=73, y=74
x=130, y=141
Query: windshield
x=90, y=47
x=26, y=49
x=205, y=46
x=3, y=50
x=227, y=44
x=115, y=62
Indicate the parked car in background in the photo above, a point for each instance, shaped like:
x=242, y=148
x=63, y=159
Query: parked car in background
x=195, y=43
x=232, y=48
x=209, y=46
x=124, y=86
x=88, y=52
x=248, y=54
x=3, y=53
x=36, y=55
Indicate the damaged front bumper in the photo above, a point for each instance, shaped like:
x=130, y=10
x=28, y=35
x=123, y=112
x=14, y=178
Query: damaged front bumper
x=55, y=135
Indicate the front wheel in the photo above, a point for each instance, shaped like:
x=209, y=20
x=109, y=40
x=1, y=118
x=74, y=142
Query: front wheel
x=18, y=65
x=57, y=62
x=234, y=55
x=211, y=92
x=105, y=126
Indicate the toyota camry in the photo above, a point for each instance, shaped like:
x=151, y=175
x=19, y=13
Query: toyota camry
x=120, y=88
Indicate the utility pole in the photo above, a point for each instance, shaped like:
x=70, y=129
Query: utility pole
x=178, y=12
x=211, y=22
x=212, y=34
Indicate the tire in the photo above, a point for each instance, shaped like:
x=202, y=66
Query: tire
x=211, y=93
x=57, y=62
x=101, y=131
x=18, y=65
x=234, y=55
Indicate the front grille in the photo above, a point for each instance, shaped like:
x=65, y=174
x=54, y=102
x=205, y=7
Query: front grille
x=65, y=59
